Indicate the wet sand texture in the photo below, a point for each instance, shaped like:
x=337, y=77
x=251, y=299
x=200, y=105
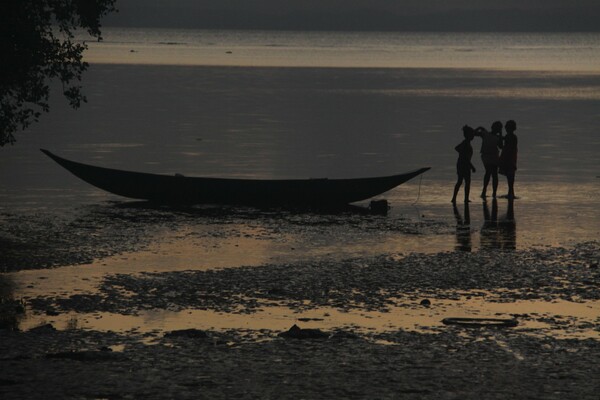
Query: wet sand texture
x=450, y=365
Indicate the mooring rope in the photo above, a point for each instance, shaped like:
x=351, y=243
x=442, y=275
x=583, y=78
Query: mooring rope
x=419, y=192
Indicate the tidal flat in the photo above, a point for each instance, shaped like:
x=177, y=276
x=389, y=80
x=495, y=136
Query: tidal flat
x=473, y=364
x=95, y=286
x=203, y=330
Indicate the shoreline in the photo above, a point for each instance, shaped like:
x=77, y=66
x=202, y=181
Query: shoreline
x=342, y=49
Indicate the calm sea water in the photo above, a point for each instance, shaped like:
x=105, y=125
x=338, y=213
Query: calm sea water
x=512, y=51
x=234, y=104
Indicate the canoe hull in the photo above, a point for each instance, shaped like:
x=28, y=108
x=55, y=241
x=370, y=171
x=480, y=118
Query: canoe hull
x=191, y=190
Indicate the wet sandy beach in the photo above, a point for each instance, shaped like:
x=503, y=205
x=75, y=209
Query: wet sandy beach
x=472, y=365
x=84, y=272
x=378, y=338
x=107, y=325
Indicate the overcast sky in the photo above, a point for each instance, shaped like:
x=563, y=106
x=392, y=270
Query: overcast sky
x=407, y=15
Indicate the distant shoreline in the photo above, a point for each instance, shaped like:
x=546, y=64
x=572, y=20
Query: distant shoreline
x=524, y=72
x=561, y=53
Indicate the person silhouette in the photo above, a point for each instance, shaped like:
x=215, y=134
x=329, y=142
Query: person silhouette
x=463, y=164
x=490, y=143
x=508, y=157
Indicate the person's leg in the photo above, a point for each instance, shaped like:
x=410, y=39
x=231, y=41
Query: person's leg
x=495, y=181
x=486, y=180
x=467, y=188
x=457, y=188
x=511, y=185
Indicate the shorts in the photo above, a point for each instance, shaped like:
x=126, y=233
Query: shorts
x=508, y=171
x=490, y=160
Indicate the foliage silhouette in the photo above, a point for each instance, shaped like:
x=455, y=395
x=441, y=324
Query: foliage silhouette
x=37, y=44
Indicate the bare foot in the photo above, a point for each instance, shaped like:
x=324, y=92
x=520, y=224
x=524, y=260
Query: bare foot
x=483, y=195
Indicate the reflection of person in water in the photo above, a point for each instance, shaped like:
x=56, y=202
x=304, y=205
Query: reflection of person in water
x=507, y=227
x=463, y=229
x=463, y=164
x=498, y=234
x=489, y=231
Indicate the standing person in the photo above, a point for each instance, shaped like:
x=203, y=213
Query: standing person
x=491, y=142
x=508, y=158
x=463, y=164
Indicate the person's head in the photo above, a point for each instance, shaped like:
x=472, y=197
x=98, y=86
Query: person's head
x=510, y=126
x=497, y=127
x=468, y=132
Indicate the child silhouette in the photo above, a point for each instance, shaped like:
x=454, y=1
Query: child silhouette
x=463, y=164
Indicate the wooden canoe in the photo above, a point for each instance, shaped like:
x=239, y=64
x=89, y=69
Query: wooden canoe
x=178, y=189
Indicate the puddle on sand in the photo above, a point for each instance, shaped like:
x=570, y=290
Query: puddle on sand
x=556, y=318
x=164, y=256
x=173, y=252
x=191, y=250
x=559, y=319
x=185, y=250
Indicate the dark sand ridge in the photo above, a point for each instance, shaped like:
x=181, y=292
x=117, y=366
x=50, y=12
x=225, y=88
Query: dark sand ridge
x=476, y=364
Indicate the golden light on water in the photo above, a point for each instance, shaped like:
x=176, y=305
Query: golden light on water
x=526, y=52
x=409, y=316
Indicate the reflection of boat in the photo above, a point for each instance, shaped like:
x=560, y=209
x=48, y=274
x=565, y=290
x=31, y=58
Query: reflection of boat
x=188, y=190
